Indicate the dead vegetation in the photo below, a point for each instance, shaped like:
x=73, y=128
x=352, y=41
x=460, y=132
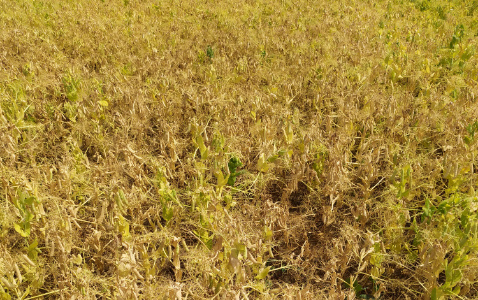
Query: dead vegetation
x=238, y=150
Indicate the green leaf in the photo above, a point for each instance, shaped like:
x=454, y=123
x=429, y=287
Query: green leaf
x=262, y=165
x=267, y=232
x=77, y=260
x=103, y=103
x=202, y=147
x=241, y=248
x=168, y=213
x=233, y=176
x=467, y=140
x=27, y=217
x=428, y=211
x=32, y=247
x=289, y=133
x=122, y=197
x=30, y=200
x=358, y=288
x=263, y=273
x=209, y=52
x=253, y=115
x=204, y=236
x=19, y=229
x=232, y=180
x=3, y=295
x=221, y=180
x=456, y=290
x=233, y=164
x=123, y=227
x=454, y=279
x=272, y=158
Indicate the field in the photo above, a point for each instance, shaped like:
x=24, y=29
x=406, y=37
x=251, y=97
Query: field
x=261, y=149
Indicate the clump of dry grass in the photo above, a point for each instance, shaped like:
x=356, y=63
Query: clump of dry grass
x=238, y=150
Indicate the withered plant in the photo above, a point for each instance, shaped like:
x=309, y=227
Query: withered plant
x=238, y=149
